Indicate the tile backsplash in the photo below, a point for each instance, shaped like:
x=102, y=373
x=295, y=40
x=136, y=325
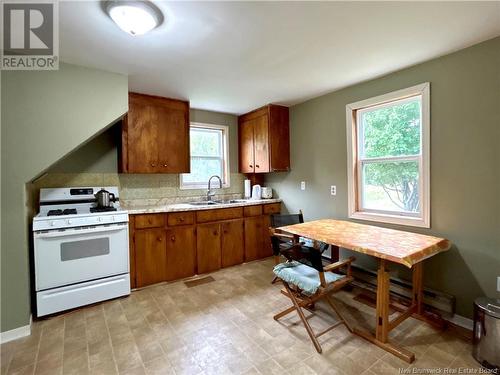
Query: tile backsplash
x=139, y=188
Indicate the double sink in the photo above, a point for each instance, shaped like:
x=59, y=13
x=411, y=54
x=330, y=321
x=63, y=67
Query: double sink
x=216, y=202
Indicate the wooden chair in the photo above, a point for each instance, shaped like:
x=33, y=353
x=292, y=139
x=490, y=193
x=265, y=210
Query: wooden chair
x=307, y=281
x=285, y=240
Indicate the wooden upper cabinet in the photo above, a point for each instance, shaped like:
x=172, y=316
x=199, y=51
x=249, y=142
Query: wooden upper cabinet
x=264, y=140
x=155, y=136
x=246, y=146
x=261, y=144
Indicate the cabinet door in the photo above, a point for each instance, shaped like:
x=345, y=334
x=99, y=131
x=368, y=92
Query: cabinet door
x=233, y=242
x=246, y=146
x=253, y=238
x=261, y=144
x=181, y=252
x=150, y=256
x=173, y=140
x=142, y=134
x=266, y=250
x=208, y=247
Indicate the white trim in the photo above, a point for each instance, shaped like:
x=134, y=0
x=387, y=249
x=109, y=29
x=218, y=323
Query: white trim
x=461, y=321
x=16, y=333
x=225, y=158
x=423, y=220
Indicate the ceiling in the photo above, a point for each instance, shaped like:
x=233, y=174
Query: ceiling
x=236, y=56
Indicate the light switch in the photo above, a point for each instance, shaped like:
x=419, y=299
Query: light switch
x=333, y=190
x=302, y=185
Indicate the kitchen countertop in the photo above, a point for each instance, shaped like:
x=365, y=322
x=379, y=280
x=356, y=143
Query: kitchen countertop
x=151, y=209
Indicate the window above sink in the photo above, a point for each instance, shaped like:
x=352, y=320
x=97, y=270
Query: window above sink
x=209, y=156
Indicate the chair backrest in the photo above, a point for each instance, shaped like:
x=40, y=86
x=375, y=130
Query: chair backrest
x=290, y=219
x=305, y=255
x=278, y=220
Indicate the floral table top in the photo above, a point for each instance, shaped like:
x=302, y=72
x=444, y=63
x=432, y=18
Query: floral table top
x=395, y=245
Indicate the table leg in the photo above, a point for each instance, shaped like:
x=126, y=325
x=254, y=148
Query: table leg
x=417, y=294
x=382, y=310
x=334, y=254
x=382, y=323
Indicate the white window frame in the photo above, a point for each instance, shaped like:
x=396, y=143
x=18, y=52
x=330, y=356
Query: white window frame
x=225, y=158
x=353, y=111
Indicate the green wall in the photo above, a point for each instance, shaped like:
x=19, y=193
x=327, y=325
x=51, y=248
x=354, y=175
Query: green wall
x=45, y=115
x=465, y=165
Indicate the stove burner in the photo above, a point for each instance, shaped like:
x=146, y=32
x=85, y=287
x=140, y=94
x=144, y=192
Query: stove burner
x=102, y=209
x=67, y=211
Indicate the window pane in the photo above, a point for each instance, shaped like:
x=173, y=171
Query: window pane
x=206, y=142
x=391, y=186
x=392, y=130
x=202, y=169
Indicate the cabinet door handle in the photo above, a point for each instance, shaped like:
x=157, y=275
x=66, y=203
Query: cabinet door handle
x=181, y=219
x=215, y=233
x=172, y=238
x=257, y=166
x=165, y=164
x=159, y=239
x=153, y=165
x=251, y=166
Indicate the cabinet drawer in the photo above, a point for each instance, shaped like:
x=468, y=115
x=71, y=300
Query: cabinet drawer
x=180, y=218
x=252, y=210
x=216, y=215
x=149, y=221
x=272, y=208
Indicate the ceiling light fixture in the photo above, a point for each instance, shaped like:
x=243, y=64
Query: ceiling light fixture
x=134, y=17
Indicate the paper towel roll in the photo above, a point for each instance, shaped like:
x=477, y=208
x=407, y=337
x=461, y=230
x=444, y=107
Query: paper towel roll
x=248, y=189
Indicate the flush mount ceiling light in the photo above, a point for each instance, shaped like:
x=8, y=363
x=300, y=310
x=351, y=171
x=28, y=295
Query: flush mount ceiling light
x=134, y=17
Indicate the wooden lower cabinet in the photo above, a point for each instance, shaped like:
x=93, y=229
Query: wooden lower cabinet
x=181, y=252
x=176, y=246
x=253, y=238
x=266, y=249
x=208, y=247
x=233, y=240
x=150, y=256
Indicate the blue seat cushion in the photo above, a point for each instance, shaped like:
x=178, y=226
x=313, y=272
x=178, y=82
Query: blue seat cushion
x=304, y=277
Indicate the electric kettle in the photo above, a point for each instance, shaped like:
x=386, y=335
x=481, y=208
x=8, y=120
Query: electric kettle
x=256, y=192
x=104, y=198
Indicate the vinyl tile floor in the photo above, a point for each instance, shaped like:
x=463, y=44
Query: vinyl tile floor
x=224, y=326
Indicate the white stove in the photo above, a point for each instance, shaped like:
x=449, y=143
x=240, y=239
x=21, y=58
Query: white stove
x=81, y=250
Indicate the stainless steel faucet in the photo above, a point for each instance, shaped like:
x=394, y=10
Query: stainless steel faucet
x=210, y=193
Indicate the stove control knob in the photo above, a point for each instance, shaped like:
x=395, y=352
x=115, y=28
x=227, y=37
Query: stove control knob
x=68, y=221
x=52, y=223
x=99, y=219
x=113, y=218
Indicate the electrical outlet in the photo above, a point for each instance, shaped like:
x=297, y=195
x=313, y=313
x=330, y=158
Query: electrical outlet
x=302, y=185
x=498, y=284
x=333, y=190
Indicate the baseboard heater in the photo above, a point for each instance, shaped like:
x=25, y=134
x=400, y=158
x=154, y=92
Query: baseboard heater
x=438, y=302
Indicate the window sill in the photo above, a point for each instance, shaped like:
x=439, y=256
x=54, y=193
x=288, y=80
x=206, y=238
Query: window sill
x=392, y=219
x=201, y=187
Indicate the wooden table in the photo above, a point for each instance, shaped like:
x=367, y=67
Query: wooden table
x=389, y=245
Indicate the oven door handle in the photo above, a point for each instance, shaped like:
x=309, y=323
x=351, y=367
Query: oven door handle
x=73, y=232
